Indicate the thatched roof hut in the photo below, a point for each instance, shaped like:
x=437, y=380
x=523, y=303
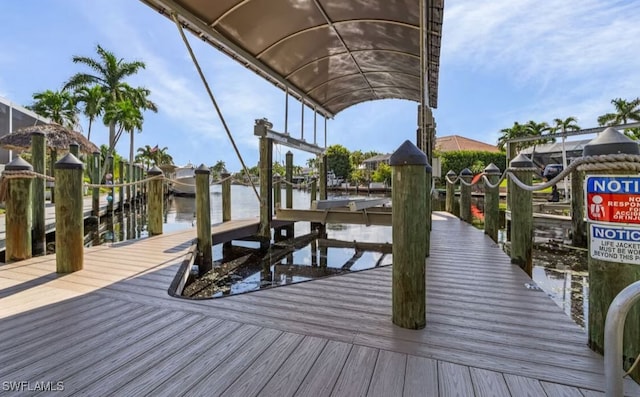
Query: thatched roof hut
x=56, y=136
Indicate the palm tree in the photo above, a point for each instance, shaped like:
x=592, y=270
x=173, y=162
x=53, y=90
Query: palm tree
x=93, y=101
x=58, y=106
x=625, y=111
x=515, y=131
x=163, y=157
x=109, y=74
x=532, y=129
x=128, y=117
x=568, y=124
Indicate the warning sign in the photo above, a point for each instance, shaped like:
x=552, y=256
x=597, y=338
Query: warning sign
x=615, y=244
x=614, y=199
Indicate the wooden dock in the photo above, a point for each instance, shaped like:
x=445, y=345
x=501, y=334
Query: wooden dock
x=112, y=329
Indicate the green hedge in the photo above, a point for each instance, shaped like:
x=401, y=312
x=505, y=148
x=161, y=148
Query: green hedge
x=476, y=161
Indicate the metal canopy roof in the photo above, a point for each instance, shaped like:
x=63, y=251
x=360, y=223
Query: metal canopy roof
x=331, y=54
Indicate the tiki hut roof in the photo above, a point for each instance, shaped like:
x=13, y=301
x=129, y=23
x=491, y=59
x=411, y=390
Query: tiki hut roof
x=57, y=137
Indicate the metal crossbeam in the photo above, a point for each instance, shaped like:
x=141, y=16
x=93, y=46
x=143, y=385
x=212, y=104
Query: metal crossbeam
x=263, y=129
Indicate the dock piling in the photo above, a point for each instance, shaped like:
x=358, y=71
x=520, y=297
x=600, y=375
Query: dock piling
x=69, y=214
x=428, y=206
x=155, y=200
x=578, y=224
x=289, y=230
x=38, y=159
x=19, y=213
x=203, y=219
x=608, y=278
x=492, y=202
x=451, y=192
x=465, y=195
x=277, y=192
x=409, y=239
x=522, y=214
x=266, y=174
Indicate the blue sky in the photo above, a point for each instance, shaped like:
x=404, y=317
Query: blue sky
x=502, y=61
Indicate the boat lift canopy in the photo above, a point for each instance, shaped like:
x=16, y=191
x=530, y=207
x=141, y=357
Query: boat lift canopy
x=330, y=54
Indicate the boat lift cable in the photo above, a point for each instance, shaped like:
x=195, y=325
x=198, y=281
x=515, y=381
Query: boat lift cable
x=213, y=100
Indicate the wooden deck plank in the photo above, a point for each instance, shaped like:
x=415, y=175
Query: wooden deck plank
x=217, y=380
x=209, y=359
x=388, y=375
x=454, y=380
x=124, y=379
x=290, y=375
x=325, y=372
x=489, y=383
x=421, y=377
x=524, y=387
x=554, y=389
x=356, y=374
x=78, y=373
x=254, y=378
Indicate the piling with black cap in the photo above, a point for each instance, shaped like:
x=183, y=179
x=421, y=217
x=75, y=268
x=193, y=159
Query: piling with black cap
x=95, y=179
x=69, y=214
x=155, y=200
x=74, y=149
x=521, y=167
x=203, y=219
x=492, y=202
x=38, y=160
x=608, y=277
x=408, y=197
x=466, y=176
x=19, y=213
x=451, y=192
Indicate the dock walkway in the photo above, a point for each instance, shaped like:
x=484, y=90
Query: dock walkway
x=112, y=329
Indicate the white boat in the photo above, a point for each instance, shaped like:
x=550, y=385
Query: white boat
x=183, y=181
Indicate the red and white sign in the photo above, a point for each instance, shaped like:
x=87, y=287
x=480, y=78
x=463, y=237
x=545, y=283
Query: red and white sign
x=614, y=199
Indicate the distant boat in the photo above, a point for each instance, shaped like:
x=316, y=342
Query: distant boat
x=183, y=181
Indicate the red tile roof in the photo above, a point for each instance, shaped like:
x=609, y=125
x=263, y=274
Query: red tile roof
x=456, y=142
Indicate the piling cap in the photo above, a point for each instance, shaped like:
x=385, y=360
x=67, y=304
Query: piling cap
x=408, y=154
x=69, y=162
x=35, y=132
x=203, y=169
x=96, y=153
x=492, y=169
x=521, y=161
x=72, y=144
x=451, y=173
x=225, y=175
x=18, y=164
x=611, y=141
x=466, y=172
x=155, y=171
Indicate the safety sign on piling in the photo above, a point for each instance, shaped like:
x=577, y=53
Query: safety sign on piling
x=613, y=199
x=613, y=210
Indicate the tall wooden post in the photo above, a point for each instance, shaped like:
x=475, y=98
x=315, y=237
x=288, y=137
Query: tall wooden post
x=289, y=179
x=610, y=274
x=277, y=192
x=465, y=195
x=428, y=206
x=69, y=215
x=19, y=213
x=128, y=179
x=53, y=157
x=95, y=197
x=203, y=219
x=522, y=214
x=120, y=182
x=226, y=197
x=266, y=159
x=492, y=202
x=38, y=159
x=110, y=181
x=322, y=175
x=155, y=201
x=409, y=241
x=578, y=224
x=451, y=192
x=314, y=190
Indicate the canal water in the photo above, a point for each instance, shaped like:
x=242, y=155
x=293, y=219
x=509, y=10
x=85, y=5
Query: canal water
x=559, y=271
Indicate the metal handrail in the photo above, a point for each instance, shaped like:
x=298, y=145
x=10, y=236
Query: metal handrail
x=613, y=337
